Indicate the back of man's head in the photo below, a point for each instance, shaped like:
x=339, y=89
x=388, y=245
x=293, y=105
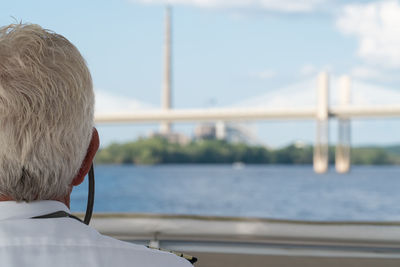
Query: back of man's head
x=46, y=113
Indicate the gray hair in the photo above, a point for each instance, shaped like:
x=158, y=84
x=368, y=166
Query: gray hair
x=46, y=112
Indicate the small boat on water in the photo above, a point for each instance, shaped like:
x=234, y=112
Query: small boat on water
x=238, y=165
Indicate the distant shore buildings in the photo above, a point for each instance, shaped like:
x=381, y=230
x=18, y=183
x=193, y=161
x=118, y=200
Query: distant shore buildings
x=230, y=132
x=172, y=137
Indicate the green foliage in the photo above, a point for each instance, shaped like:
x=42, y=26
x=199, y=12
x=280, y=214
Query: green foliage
x=393, y=149
x=159, y=151
x=373, y=156
x=293, y=155
x=143, y=151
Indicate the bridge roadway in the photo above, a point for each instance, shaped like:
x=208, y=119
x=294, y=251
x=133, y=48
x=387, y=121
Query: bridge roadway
x=231, y=241
x=244, y=114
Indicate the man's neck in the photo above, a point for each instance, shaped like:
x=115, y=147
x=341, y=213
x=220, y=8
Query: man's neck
x=4, y=198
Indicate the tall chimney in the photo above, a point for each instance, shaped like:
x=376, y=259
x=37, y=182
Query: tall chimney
x=167, y=81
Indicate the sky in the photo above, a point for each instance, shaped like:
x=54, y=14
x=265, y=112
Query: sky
x=230, y=53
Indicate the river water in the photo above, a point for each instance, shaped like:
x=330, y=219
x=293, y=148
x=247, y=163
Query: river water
x=283, y=192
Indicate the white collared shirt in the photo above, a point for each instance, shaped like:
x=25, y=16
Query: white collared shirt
x=66, y=241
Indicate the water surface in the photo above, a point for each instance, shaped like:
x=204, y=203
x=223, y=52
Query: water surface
x=267, y=191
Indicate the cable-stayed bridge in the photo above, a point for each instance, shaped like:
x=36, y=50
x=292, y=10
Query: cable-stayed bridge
x=315, y=105
x=321, y=112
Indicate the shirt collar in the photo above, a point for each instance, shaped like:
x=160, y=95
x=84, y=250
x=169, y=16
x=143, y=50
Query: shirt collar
x=24, y=210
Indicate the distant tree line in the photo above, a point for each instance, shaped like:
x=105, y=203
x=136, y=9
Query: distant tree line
x=159, y=151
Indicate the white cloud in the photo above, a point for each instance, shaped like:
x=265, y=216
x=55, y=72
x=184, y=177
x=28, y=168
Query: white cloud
x=377, y=27
x=289, y=6
x=303, y=94
x=366, y=72
x=107, y=103
x=369, y=94
x=265, y=74
x=308, y=69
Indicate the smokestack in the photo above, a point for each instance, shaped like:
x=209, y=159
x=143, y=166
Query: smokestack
x=167, y=81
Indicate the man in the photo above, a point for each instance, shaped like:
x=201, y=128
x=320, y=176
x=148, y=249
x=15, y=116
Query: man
x=47, y=145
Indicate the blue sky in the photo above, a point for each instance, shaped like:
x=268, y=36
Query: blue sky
x=226, y=52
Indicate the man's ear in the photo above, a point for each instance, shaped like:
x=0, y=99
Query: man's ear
x=88, y=160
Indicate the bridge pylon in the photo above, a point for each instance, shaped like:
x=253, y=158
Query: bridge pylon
x=321, y=147
x=166, y=99
x=343, y=147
